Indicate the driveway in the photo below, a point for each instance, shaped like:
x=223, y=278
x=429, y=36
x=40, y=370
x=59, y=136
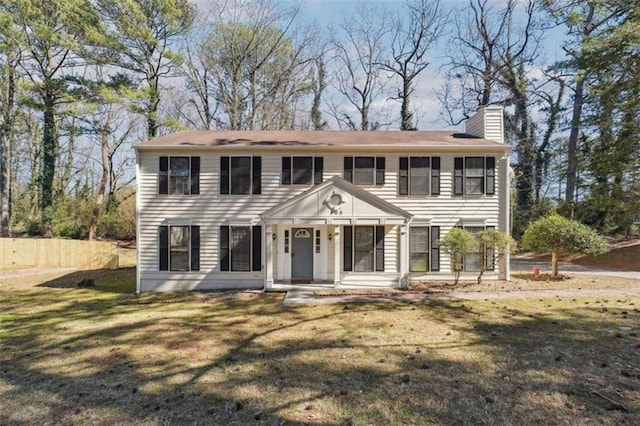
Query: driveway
x=526, y=264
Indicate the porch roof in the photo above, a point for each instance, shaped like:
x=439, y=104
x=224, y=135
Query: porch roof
x=336, y=201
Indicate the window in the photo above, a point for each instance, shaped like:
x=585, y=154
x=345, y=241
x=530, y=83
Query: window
x=364, y=170
x=179, y=248
x=241, y=248
x=419, y=176
x=424, y=252
x=472, y=260
x=302, y=170
x=317, y=241
x=363, y=248
x=179, y=175
x=240, y=175
x=474, y=175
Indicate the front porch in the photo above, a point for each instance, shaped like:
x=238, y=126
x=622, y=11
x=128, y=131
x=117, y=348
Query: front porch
x=335, y=236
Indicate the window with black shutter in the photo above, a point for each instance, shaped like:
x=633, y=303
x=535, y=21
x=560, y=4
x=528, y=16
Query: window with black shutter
x=403, y=176
x=458, y=176
x=301, y=170
x=240, y=248
x=491, y=175
x=435, y=175
x=348, y=169
x=364, y=170
x=380, y=166
x=379, y=248
x=347, y=248
x=435, y=248
x=474, y=176
x=240, y=175
x=179, y=248
x=179, y=175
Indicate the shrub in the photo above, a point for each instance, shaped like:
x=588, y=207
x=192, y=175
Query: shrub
x=457, y=244
x=559, y=235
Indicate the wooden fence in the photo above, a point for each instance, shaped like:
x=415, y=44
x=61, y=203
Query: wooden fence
x=58, y=252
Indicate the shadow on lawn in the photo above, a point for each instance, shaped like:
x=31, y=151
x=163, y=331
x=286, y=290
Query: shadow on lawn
x=206, y=360
x=121, y=280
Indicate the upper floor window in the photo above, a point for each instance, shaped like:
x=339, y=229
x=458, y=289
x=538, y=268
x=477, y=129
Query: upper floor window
x=364, y=170
x=240, y=175
x=179, y=248
x=302, y=170
x=179, y=175
x=474, y=175
x=419, y=176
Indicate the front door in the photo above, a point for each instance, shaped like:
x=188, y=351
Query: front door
x=302, y=254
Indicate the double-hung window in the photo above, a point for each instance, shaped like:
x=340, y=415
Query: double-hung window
x=302, y=170
x=424, y=248
x=419, y=176
x=179, y=248
x=364, y=170
x=240, y=248
x=472, y=260
x=363, y=248
x=240, y=175
x=179, y=175
x=474, y=175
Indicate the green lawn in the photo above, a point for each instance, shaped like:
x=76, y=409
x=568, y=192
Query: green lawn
x=99, y=355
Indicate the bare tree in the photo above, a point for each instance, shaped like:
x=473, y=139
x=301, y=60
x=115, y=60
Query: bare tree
x=359, y=52
x=413, y=33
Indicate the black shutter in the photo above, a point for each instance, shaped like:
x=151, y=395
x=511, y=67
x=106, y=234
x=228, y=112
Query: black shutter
x=403, y=176
x=490, y=253
x=286, y=170
x=435, y=175
x=195, y=175
x=380, y=165
x=458, y=176
x=491, y=175
x=256, y=172
x=318, y=170
x=163, y=176
x=224, y=175
x=347, y=248
x=224, y=248
x=435, y=248
x=163, y=236
x=195, y=248
x=379, y=248
x=256, y=248
x=348, y=169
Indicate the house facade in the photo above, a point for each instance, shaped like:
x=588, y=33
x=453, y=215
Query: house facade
x=284, y=209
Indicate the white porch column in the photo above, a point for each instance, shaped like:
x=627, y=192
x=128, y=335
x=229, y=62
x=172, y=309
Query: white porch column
x=268, y=263
x=336, y=256
x=404, y=257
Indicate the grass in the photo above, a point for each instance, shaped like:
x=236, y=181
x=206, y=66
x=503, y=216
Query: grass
x=101, y=355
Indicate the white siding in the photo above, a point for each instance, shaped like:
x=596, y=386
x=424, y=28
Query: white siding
x=210, y=210
x=487, y=123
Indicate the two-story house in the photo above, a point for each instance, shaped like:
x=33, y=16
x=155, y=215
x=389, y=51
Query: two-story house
x=280, y=209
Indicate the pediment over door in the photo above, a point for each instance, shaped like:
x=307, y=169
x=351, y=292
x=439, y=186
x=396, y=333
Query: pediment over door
x=336, y=201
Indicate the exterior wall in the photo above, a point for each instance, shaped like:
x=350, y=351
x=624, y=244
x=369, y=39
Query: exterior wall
x=210, y=210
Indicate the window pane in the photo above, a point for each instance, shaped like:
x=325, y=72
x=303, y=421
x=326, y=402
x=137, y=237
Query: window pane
x=419, y=176
x=363, y=250
x=472, y=260
x=475, y=166
x=473, y=185
x=418, y=248
x=302, y=170
x=240, y=248
x=179, y=241
x=364, y=170
x=240, y=175
x=179, y=175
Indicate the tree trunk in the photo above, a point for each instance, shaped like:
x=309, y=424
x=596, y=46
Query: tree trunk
x=49, y=154
x=101, y=189
x=554, y=264
x=152, y=109
x=572, y=152
x=5, y=154
x=405, y=114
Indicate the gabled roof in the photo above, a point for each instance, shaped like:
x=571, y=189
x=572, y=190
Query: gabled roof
x=310, y=139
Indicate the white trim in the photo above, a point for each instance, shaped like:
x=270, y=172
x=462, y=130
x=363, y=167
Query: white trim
x=138, y=203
